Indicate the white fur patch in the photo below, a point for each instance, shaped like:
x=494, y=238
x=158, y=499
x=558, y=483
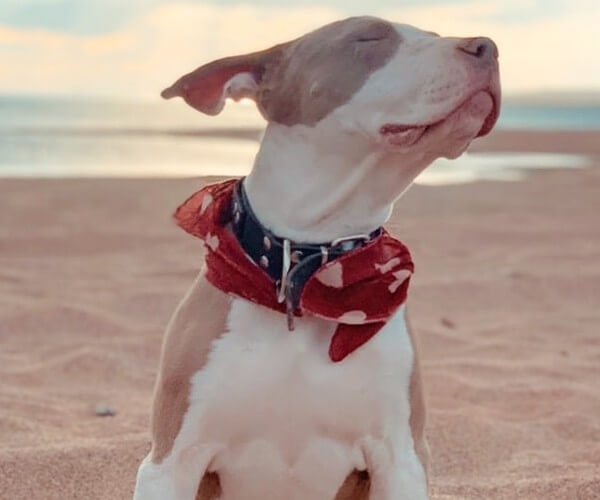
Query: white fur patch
x=353, y=317
x=387, y=266
x=401, y=276
x=332, y=276
x=240, y=85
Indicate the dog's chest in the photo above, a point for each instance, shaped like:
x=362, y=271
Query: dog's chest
x=276, y=405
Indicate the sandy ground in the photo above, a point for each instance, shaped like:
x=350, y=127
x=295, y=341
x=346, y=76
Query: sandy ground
x=505, y=300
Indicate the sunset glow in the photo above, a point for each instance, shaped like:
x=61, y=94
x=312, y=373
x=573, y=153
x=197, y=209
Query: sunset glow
x=543, y=45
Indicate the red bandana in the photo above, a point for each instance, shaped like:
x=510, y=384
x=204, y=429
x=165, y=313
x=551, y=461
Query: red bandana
x=359, y=290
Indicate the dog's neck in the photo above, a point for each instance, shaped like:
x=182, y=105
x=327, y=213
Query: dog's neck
x=311, y=186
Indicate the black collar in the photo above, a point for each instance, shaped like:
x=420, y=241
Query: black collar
x=289, y=264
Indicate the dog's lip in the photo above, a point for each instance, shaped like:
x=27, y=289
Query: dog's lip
x=395, y=128
x=390, y=129
x=402, y=135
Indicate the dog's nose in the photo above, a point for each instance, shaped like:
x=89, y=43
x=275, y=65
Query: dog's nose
x=481, y=47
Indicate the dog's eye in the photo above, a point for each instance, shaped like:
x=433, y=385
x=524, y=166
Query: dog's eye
x=364, y=39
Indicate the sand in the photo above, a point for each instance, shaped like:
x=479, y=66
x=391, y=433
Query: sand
x=505, y=301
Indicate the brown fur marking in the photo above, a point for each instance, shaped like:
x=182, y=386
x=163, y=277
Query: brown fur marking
x=307, y=82
x=210, y=487
x=355, y=487
x=199, y=319
x=417, y=406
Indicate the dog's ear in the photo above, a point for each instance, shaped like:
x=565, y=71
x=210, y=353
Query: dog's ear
x=207, y=87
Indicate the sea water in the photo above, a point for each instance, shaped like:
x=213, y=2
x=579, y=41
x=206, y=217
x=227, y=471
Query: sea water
x=76, y=137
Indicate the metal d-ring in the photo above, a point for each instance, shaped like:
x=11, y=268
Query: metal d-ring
x=343, y=239
x=285, y=269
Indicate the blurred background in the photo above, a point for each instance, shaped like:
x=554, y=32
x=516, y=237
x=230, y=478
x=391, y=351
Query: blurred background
x=80, y=79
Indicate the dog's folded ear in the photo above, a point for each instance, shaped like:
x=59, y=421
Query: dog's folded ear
x=207, y=87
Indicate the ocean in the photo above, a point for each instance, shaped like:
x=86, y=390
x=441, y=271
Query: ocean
x=54, y=137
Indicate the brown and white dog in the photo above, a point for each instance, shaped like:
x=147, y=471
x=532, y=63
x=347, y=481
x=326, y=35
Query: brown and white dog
x=244, y=409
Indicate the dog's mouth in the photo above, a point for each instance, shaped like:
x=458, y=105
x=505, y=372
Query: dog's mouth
x=407, y=135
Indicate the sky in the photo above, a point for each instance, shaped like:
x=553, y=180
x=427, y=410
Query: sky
x=134, y=48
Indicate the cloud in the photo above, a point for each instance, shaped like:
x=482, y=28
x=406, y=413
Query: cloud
x=153, y=48
x=147, y=54
x=103, y=16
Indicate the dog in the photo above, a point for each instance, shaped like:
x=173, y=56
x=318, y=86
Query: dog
x=271, y=386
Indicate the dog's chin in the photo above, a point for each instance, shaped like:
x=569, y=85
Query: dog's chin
x=451, y=135
x=475, y=118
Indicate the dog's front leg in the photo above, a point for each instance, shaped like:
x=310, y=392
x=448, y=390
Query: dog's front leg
x=396, y=472
x=180, y=456
x=177, y=478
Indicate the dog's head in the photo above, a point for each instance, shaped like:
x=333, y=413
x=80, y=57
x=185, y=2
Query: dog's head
x=402, y=89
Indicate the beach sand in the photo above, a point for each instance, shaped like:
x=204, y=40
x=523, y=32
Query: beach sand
x=505, y=301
